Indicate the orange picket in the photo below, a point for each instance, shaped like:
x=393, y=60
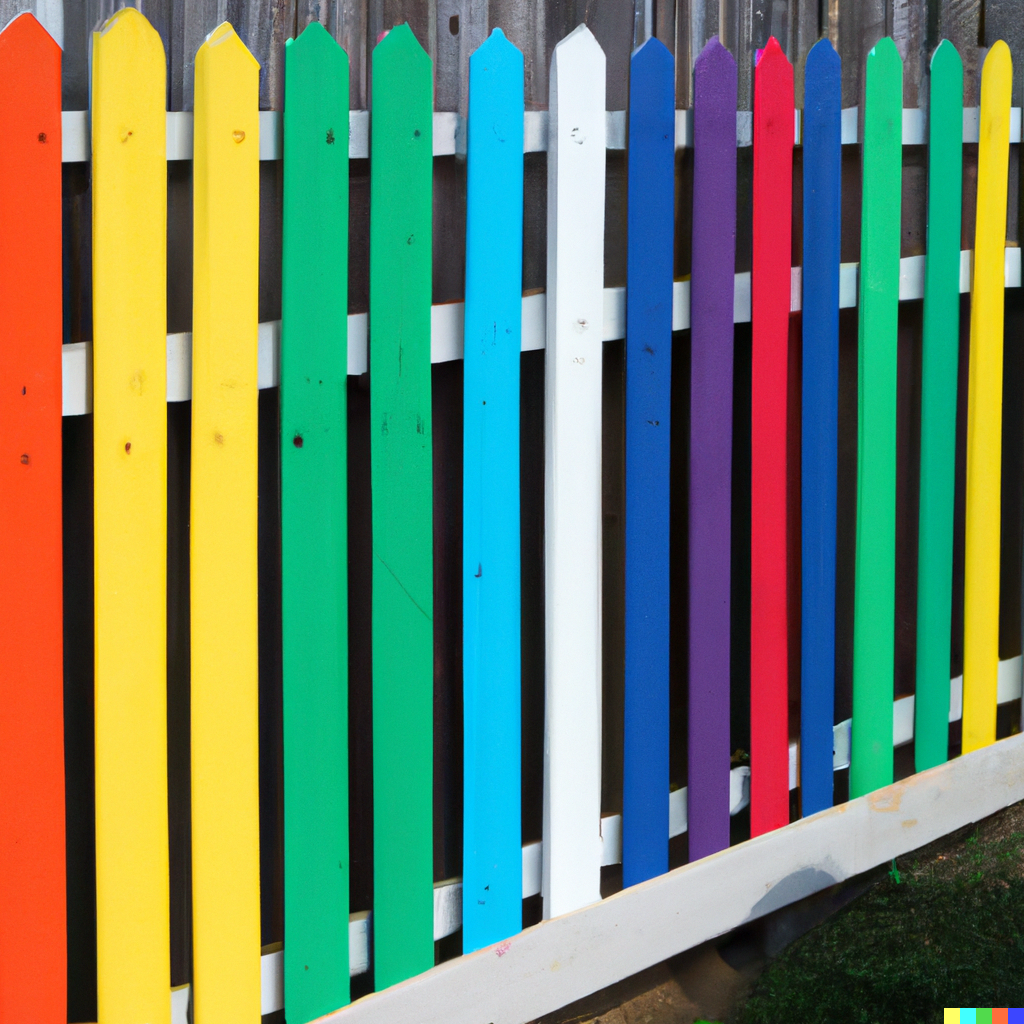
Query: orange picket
x=33, y=941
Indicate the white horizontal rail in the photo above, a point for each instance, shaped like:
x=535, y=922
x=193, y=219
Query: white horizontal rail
x=447, y=336
x=450, y=131
x=559, y=961
x=448, y=894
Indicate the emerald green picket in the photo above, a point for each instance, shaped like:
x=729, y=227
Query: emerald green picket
x=314, y=546
x=871, y=764
x=938, y=404
x=401, y=166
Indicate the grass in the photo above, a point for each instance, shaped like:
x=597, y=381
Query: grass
x=945, y=927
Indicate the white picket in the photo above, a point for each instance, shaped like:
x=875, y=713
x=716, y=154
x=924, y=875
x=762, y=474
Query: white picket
x=571, y=876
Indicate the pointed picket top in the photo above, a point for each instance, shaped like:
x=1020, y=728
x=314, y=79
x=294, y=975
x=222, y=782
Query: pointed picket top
x=946, y=58
x=226, y=43
x=822, y=63
x=399, y=44
x=652, y=54
x=714, y=56
x=27, y=27
x=497, y=44
x=315, y=38
x=580, y=42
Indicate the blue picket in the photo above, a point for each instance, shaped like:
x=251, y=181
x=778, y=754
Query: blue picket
x=492, y=850
x=651, y=194
x=820, y=412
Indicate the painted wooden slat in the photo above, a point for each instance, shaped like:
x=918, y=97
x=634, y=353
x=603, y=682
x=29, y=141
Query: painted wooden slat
x=225, y=742
x=769, y=562
x=985, y=407
x=401, y=479
x=314, y=541
x=939, y=367
x=492, y=839
x=33, y=936
x=650, y=239
x=571, y=874
x=871, y=764
x=129, y=196
x=822, y=166
x=711, y=332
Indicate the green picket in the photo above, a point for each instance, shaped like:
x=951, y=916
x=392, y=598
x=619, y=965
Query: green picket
x=401, y=166
x=871, y=761
x=314, y=547
x=938, y=405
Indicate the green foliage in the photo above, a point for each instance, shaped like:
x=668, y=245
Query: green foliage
x=948, y=932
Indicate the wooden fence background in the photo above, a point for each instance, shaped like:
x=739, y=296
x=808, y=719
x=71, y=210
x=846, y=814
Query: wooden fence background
x=450, y=32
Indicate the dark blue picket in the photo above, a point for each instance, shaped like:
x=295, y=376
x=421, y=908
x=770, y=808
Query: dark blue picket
x=651, y=169
x=820, y=412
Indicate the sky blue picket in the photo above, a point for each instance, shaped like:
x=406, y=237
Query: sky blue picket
x=492, y=850
x=820, y=420
x=651, y=177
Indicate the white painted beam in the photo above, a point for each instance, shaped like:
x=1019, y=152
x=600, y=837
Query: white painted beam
x=450, y=131
x=446, y=327
x=565, y=959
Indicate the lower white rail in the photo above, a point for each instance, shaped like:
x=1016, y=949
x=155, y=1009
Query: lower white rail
x=448, y=894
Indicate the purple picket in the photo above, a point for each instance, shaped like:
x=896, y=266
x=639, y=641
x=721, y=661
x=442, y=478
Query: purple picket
x=711, y=341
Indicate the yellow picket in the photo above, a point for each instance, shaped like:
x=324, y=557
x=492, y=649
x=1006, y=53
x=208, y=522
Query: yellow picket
x=129, y=190
x=225, y=740
x=985, y=407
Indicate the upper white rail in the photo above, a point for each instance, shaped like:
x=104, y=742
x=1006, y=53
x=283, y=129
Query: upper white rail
x=450, y=131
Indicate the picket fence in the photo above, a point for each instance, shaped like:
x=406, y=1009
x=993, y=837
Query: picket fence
x=132, y=368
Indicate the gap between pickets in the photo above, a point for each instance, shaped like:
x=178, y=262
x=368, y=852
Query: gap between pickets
x=449, y=131
x=447, y=328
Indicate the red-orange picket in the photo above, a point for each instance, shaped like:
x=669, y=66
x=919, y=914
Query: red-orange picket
x=33, y=943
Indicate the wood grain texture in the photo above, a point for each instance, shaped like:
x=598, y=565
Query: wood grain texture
x=769, y=514
x=939, y=367
x=711, y=386
x=314, y=525
x=402, y=484
x=651, y=209
x=985, y=407
x=33, y=922
x=871, y=764
x=571, y=873
x=492, y=881
x=822, y=177
x=129, y=190
x=224, y=618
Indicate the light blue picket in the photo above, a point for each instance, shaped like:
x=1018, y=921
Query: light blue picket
x=492, y=851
